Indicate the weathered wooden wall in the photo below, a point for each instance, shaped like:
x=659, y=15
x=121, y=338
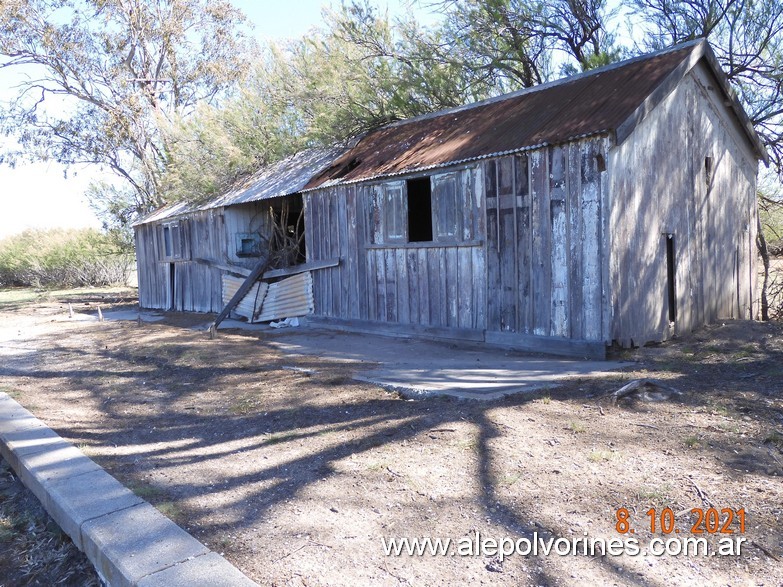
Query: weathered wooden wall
x=546, y=242
x=659, y=186
x=439, y=284
x=152, y=273
x=242, y=218
x=526, y=262
x=196, y=285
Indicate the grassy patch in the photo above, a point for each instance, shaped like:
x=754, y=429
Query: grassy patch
x=145, y=491
x=599, y=456
x=34, y=550
x=692, y=442
x=509, y=480
x=278, y=438
x=244, y=406
x=16, y=297
x=657, y=495
x=577, y=427
x=171, y=510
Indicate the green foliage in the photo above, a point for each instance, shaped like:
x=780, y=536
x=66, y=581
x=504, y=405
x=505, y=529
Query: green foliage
x=116, y=69
x=67, y=258
x=357, y=73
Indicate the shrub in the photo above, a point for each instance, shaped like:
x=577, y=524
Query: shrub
x=62, y=258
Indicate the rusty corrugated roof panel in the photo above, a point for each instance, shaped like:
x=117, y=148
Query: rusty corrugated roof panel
x=586, y=104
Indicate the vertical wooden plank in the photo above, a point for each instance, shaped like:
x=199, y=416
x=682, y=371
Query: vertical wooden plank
x=541, y=270
x=465, y=287
x=606, y=245
x=478, y=269
x=575, y=238
x=350, y=258
x=376, y=222
x=591, y=252
x=372, y=285
x=317, y=246
x=424, y=286
x=508, y=265
x=325, y=246
x=380, y=279
x=452, y=286
x=403, y=296
x=559, y=259
x=524, y=243
x=413, y=277
x=467, y=204
x=443, y=299
x=492, y=247
x=362, y=230
x=343, y=270
x=390, y=262
x=435, y=293
x=335, y=237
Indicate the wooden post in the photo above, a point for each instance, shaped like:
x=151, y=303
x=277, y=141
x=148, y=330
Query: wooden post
x=100, y=315
x=70, y=310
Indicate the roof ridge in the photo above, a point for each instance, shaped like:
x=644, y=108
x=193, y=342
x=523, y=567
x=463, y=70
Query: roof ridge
x=546, y=85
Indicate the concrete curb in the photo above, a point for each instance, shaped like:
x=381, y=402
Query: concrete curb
x=129, y=542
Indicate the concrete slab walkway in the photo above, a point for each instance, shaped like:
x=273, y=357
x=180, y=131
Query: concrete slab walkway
x=418, y=368
x=129, y=542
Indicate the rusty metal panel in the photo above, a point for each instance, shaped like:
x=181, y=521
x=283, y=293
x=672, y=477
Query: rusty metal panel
x=587, y=104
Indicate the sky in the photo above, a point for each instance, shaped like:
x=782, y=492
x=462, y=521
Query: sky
x=46, y=195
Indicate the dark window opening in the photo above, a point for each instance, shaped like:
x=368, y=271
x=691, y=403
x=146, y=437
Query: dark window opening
x=600, y=163
x=708, y=171
x=419, y=210
x=167, y=241
x=670, y=277
x=249, y=244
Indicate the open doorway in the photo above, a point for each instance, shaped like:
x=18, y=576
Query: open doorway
x=287, y=245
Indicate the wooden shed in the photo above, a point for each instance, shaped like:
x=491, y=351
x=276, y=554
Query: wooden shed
x=618, y=205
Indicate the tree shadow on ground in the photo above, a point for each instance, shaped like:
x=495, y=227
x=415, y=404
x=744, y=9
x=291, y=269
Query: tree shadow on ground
x=143, y=396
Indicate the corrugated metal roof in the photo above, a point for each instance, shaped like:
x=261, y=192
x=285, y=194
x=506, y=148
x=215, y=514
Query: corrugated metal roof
x=287, y=176
x=591, y=103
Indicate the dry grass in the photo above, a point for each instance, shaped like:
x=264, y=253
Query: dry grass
x=33, y=549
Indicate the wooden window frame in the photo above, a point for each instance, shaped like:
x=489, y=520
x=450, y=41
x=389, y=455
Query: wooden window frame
x=172, y=236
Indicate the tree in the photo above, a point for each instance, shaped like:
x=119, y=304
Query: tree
x=119, y=68
x=521, y=43
x=358, y=72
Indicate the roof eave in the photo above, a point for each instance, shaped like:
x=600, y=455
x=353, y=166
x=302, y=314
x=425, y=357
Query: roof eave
x=701, y=50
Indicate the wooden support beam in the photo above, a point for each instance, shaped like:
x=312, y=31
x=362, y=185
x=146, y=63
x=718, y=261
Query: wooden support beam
x=294, y=269
x=255, y=274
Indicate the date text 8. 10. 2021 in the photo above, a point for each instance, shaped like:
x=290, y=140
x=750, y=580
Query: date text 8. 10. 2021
x=708, y=521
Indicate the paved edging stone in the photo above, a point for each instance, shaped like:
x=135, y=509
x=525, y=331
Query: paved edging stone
x=130, y=543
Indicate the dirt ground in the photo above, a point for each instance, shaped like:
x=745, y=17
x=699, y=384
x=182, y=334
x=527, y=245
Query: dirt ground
x=295, y=472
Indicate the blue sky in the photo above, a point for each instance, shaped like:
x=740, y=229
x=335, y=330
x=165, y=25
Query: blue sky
x=42, y=195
